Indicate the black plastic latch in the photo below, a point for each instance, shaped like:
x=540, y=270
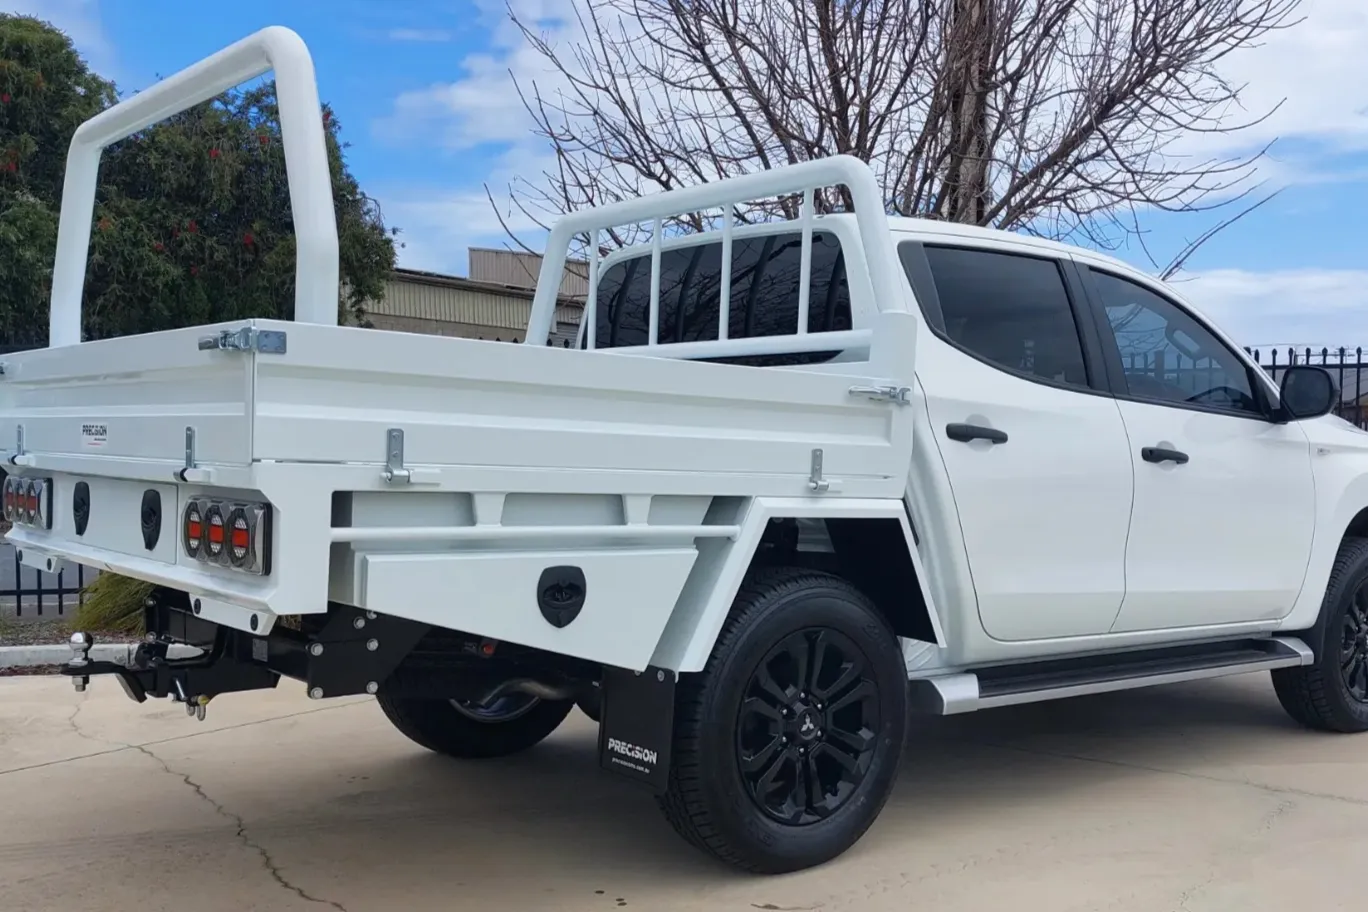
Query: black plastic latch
x=561, y=592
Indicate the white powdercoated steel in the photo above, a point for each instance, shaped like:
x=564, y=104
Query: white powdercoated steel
x=306, y=166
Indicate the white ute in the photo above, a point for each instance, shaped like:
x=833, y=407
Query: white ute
x=791, y=468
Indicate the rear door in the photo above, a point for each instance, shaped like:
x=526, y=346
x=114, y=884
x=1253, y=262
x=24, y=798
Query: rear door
x=1033, y=443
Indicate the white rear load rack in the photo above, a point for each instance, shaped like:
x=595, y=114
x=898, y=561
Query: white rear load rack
x=873, y=274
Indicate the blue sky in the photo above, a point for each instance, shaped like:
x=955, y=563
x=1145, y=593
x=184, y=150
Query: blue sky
x=422, y=90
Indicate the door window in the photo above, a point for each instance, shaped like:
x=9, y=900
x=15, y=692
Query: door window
x=1010, y=310
x=1167, y=355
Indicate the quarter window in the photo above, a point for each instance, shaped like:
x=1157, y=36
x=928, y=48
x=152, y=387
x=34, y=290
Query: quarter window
x=1011, y=310
x=1167, y=356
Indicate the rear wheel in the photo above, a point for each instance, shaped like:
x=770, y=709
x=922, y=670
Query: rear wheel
x=1332, y=695
x=462, y=728
x=787, y=744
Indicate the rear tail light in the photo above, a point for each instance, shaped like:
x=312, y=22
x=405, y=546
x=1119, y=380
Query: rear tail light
x=28, y=501
x=192, y=531
x=228, y=533
x=213, y=532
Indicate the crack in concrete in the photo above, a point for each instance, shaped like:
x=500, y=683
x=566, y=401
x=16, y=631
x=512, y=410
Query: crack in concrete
x=241, y=835
x=117, y=746
x=71, y=720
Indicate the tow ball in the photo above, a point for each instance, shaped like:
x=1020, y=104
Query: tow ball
x=136, y=682
x=80, y=660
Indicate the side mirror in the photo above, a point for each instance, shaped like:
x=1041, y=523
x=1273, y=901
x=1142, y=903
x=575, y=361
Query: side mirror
x=1306, y=392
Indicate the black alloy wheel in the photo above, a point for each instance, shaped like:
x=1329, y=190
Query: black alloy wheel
x=806, y=731
x=787, y=743
x=1331, y=694
x=1354, y=645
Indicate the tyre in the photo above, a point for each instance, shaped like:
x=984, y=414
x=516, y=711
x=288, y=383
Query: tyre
x=461, y=729
x=787, y=744
x=1332, y=695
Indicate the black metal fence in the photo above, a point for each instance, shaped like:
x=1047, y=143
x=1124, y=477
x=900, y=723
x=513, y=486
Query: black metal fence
x=27, y=592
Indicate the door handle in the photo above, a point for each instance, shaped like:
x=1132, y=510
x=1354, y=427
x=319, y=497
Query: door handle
x=967, y=432
x=1163, y=454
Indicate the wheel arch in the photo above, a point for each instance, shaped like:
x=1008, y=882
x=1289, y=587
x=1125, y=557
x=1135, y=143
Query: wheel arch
x=1314, y=635
x=873, y=546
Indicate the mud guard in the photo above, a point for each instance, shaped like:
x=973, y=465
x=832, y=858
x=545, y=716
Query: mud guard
x=637, y=728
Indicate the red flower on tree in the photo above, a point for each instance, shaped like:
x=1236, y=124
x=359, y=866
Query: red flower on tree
x=5, y=98
x=192, y=227
x=159, y=246
x=214, y=153
x=264, y=139
x=194, y=270
x=248, y=240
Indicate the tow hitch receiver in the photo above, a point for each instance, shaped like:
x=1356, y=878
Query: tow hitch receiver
x=193, y=681
x=347, y=651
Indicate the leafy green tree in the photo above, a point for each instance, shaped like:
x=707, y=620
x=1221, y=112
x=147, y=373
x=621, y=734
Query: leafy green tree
x=192, y=219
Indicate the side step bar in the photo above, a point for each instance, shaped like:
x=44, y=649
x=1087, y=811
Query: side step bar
x=1072, y=677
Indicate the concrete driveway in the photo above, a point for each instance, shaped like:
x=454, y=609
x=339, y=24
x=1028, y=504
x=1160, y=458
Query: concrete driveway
x=1187, y=798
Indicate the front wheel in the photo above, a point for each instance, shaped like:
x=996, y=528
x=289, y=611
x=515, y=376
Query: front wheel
x=457, y=728
x=1332, y=695
x=786, y=745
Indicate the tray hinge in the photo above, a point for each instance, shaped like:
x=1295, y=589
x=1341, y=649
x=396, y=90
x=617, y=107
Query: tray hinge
x=246, y=339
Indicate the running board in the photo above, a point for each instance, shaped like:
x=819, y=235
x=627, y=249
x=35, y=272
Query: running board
x=1073, y=677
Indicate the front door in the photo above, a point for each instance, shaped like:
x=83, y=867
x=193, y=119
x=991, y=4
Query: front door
x=1224, y=498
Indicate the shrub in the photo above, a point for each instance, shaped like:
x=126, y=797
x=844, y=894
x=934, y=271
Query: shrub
x=113, y=604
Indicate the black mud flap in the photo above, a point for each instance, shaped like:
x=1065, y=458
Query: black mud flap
x=637, y=725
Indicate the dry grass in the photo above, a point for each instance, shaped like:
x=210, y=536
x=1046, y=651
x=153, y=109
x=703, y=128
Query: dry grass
x=113, y=603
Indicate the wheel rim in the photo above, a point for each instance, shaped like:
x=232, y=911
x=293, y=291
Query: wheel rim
x=503, y=709
x=1354, y=646
x=806, y=731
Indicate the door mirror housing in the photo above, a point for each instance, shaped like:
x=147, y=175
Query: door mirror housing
x=1306, y=392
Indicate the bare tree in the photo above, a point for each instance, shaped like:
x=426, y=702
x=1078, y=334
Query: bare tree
x=1062, y=118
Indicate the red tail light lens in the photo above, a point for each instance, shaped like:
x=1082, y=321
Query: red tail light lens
x=239, y=537
x=192, y=533
x=213, y=536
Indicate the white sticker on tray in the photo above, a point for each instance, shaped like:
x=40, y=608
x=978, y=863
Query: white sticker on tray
x=94, y=435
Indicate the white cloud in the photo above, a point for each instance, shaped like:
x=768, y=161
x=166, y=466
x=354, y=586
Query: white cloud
x=439, y=223
x=482, y=106
x=80, y=19
x=1293, y=307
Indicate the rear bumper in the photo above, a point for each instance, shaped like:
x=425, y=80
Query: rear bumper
x=221, y=601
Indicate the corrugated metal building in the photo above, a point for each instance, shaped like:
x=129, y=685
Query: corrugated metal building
x=493, y=303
